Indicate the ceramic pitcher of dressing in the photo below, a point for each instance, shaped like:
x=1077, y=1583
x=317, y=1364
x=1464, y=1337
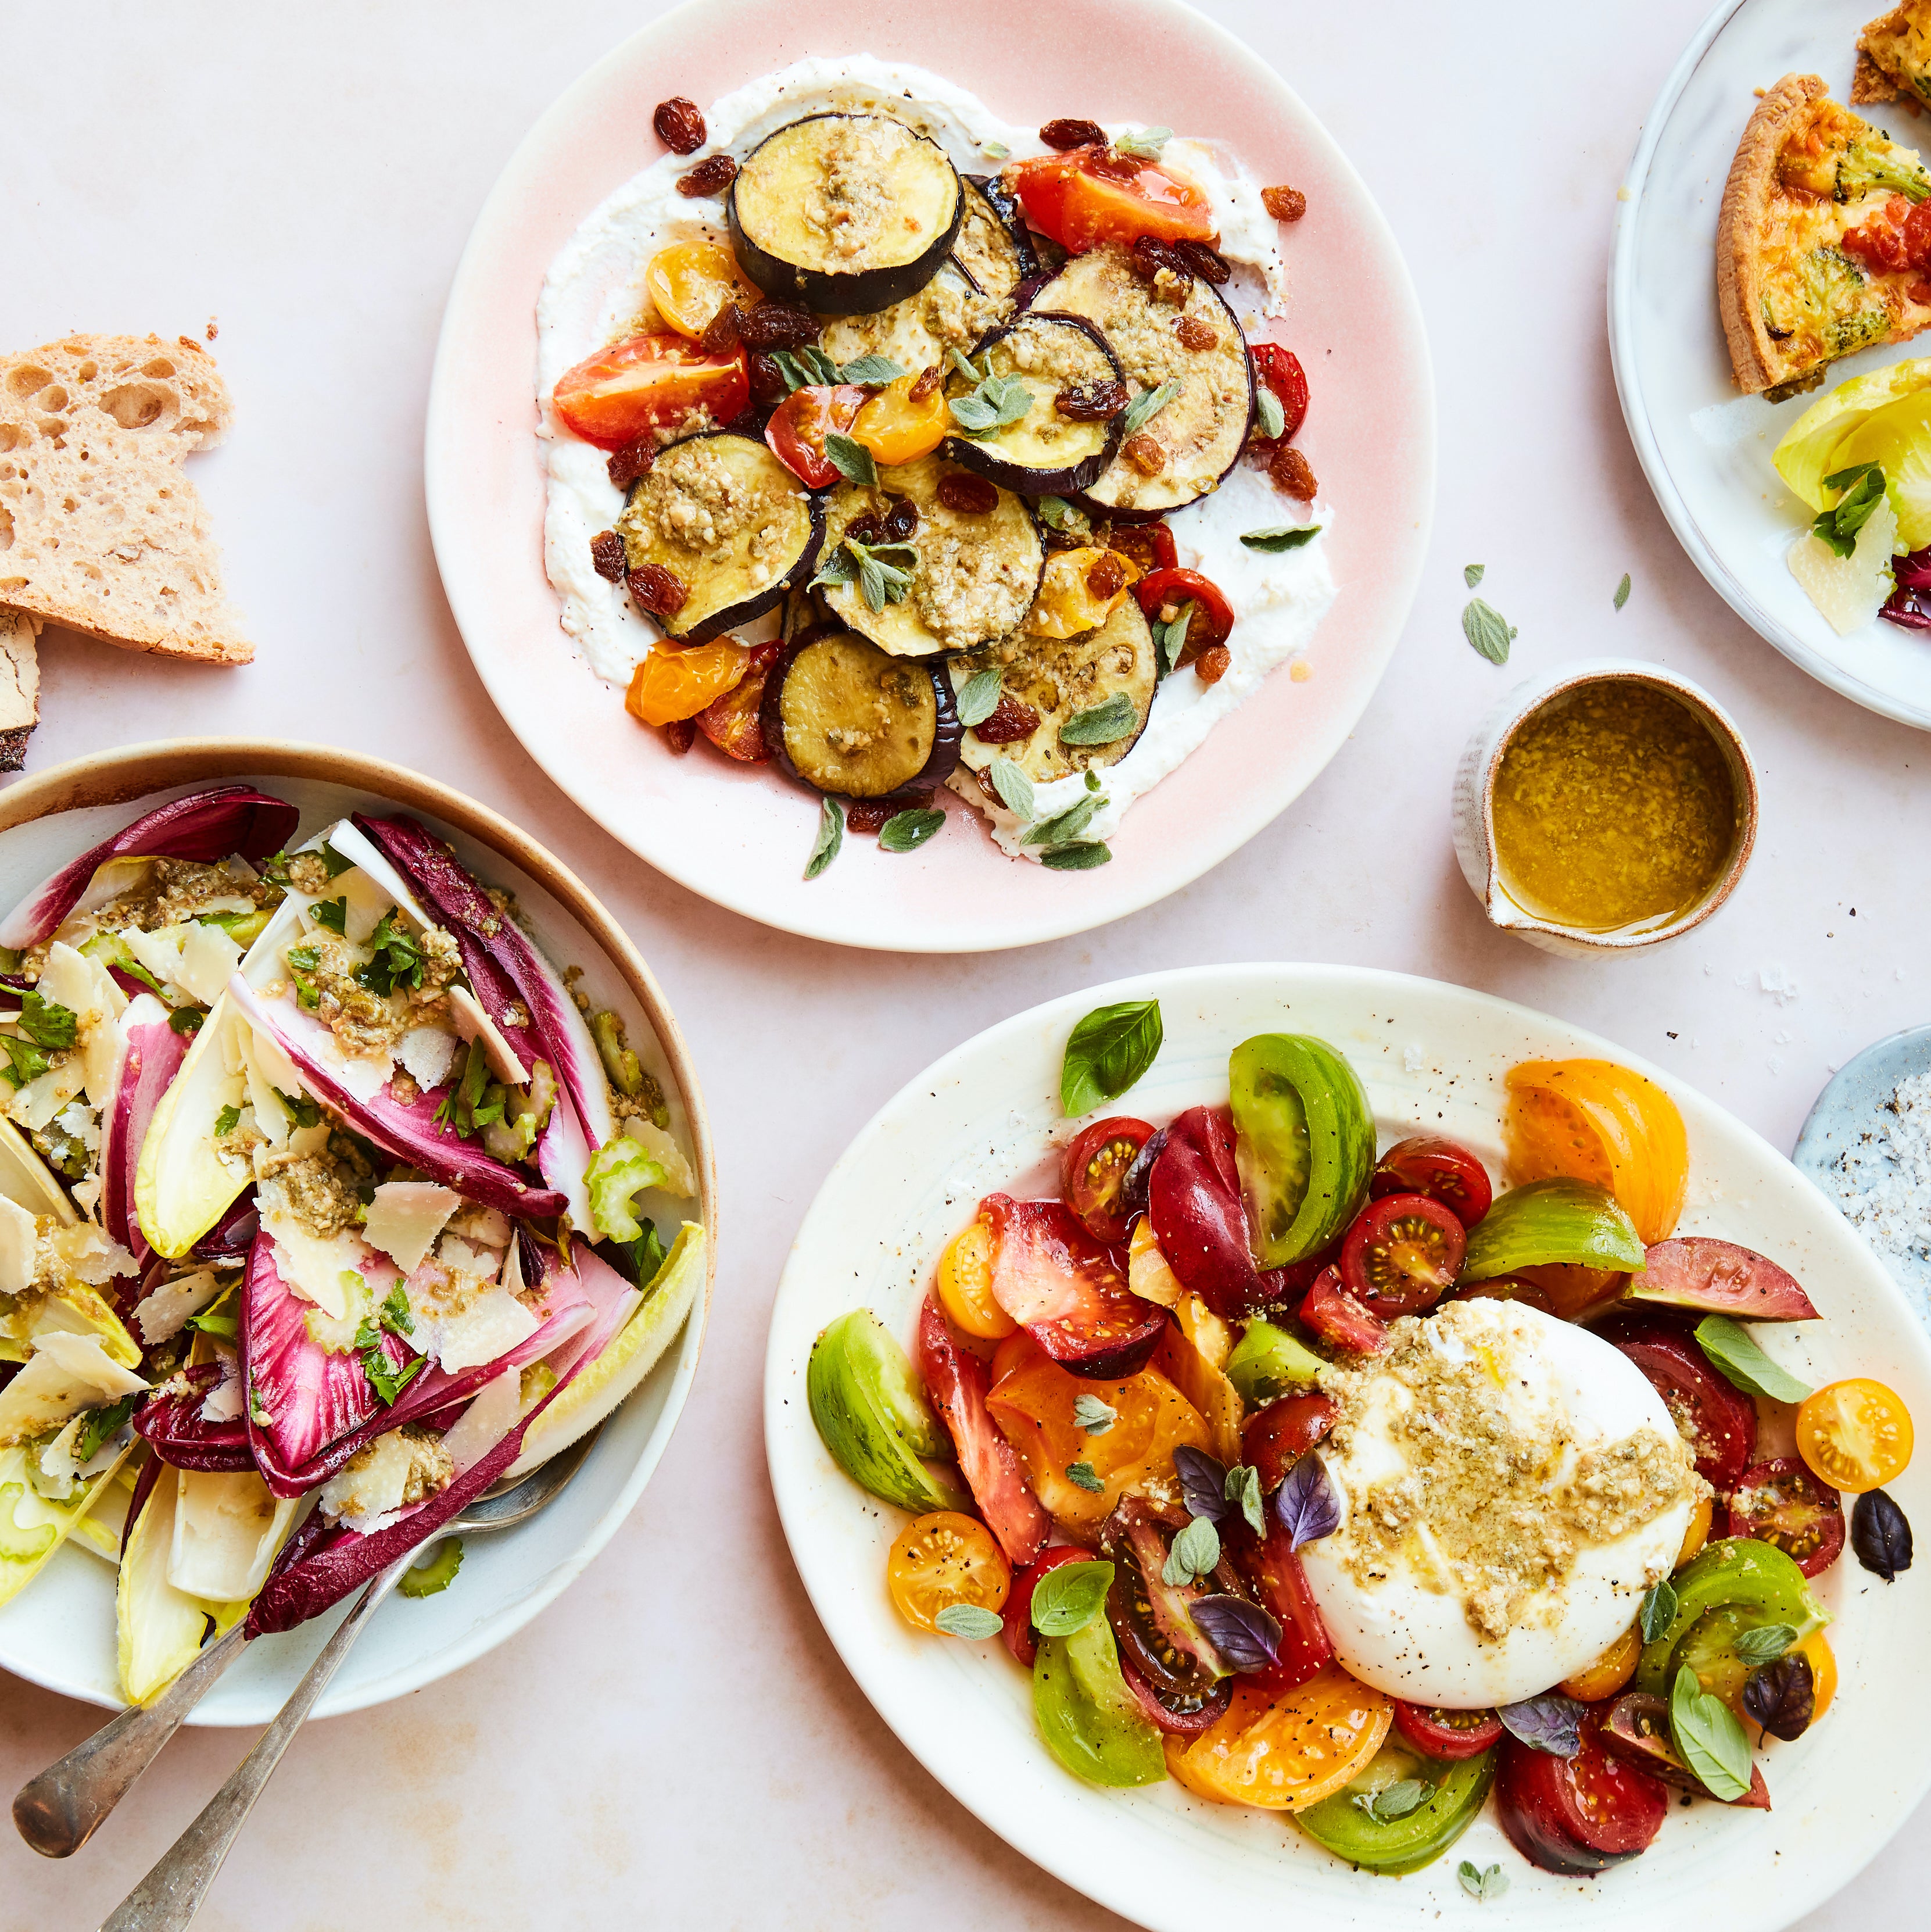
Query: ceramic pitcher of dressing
x=1484, y=859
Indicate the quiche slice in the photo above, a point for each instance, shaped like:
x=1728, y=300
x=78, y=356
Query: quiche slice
x=1815, y=239
x=1894, y=57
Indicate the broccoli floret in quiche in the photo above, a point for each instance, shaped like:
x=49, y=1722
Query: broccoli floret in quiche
x=1862, y=167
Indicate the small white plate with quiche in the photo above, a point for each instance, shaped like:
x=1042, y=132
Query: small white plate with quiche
x=1701, y=417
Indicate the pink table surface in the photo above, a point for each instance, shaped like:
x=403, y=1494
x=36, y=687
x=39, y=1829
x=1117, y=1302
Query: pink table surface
x=637, y=1756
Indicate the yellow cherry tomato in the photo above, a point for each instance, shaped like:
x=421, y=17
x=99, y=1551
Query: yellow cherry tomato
x=1823, y=1672
x=1069, y=604
x=1608, y=1673
x=1287, y=1752
x=1698, y=1534
x=943, y=1559
x=965, y=1284
x=670, y=685
x=1593, y=1120
x=1855, y=1434
x=689, y=282
x=898, y=424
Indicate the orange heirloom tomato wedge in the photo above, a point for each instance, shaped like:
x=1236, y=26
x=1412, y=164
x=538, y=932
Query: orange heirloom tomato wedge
x=965, y=1286
x=689, y=282
x=1608, y=1673
x=1286, y=1752
x=1855, y=1434
x=1593, y=1120
x=1090, y=195
x=943, y=1559
x=671, y=685
x=899, y=426
x=649, y=382
x=1823, y=1672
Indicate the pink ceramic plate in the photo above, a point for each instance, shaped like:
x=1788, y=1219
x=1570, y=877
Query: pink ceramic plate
x=739, y=835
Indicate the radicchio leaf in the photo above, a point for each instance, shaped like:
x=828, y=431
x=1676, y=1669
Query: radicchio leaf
x=232, y=1236
x=406, y=1131
x=1203, y=1483
x=1880, y=1535
x=1247, y=1637
x=144, y=1487
x=1550, y=1723
x=170, y=1424
x=154, y=1055
x=1783, y=1696
x=1305, y=1503
x=206, y=826
x=1913, y=572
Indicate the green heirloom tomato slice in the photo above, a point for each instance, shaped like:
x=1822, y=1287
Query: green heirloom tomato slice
x=1550, y=1221
x=1306, y=1143
x=1737, y=1573
x=1348, y=1829
x=1091, y=1722
x=1267, y=1362
x=872, y=1416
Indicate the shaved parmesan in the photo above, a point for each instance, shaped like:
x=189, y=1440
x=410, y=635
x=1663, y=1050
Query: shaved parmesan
x=208, y=958
x=312, y=1265
x=405, y=1218
x=157, y=952
x=426, y=1054
x=65, y=1373
x=20, y=1235
x=486, y=1421
x=161, y=1315
x=224, y=1400
x=86, y=1254
x=74, y=980
x=227, y=1528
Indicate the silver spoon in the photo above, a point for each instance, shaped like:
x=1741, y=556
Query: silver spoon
x=59, y=1810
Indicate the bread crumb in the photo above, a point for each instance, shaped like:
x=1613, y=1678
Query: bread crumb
x=214, y=329
x=1300, y=671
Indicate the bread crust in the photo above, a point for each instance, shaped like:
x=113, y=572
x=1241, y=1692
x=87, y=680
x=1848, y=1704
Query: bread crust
x=1870, y=86
x=1754, y=360
x=100, y=531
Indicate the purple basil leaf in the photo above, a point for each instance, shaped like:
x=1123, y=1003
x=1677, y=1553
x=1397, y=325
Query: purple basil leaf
x=1305, y=1503
x=1203, y=1484
x=1782, y=1696
x=1880, y=1535
x=1133, y=1189
x=1549, y=1722
x=1247, y=1637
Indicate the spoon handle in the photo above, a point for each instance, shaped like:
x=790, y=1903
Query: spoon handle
x=59, y=1810
x=172, y=1893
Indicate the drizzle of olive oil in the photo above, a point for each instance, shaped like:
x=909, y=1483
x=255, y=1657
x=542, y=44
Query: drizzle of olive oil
x=1614, y=809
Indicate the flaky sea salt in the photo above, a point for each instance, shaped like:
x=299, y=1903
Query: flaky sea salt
x=1884, y=1183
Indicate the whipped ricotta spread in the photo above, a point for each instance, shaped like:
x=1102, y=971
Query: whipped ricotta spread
x=594, y=295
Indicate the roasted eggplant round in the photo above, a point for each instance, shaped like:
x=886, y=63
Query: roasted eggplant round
x=994, y=247
x=1181, y=452
x=1070, y=431
x=1057, y=679
x=974, y=573
x=730, y=523
x=846, y=213
x=841, y=716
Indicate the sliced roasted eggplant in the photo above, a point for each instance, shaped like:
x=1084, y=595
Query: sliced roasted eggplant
x=729, y=523
x=947, y=313
x=975, y=573
x=994, y=247
x=1181, y=452
x=841, y=716
x=846, y=213
x=1058, y=678
x=1071, y=429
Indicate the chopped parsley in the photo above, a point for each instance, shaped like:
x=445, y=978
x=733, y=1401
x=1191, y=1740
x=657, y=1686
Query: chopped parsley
x=397, y=960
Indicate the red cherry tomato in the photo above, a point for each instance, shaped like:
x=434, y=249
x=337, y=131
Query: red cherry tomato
x=1447, y=1173
x=1194, y=1201
x=1402, y=1254
x=1719, y=1422
x=1282, y=1586
x=957, y=1381
x=1178, y=1714
x=733, y=722
x=1065, y=1289
x=1339, y=1320
x=1167, y=589
x=1089, y=195
x=1281, y=1285
x=1019, y=1636
x=1093, y=1175
x=1147, y=546
x=1275, y=1437
x=1281, y=370
x=800, y=424
x=648, y=382
x=1448, y=1735
x=1579, y=1814
x=1781, y=1501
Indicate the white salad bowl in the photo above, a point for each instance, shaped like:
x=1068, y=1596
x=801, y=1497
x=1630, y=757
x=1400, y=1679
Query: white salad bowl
x=1431, y=1057
x=60, y=1631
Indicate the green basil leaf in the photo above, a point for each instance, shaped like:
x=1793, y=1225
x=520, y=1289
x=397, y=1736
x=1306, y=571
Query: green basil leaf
x=1708, y=1738
x=1243, y=1486
x=1472, y=574
x=824, y=372
x=871, y=372
x=995, y=151
x=1481, y=1885
x=1729, y=1346
x=962, y=364
x=1067, y=1599
x=1104, y=724
x=1081, y=858
x=1107, y=1051
x=1282, y=536
x=906, y=831
x=790, y=374
x=1659, y=1610
x=1487, y=631
x=1267, y=407
x=851, y=460
x=1082, y=1475
x=1092, y=1416
x=1014, y=787
x=831, y=836
x=1143, y=408
x=841, y=567
x=1622, y=596
x=1765, y=1644
x=1395, y=1801
x=972, y=1621
x=978, y=697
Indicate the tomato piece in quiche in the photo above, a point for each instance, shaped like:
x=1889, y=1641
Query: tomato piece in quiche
x=1894, y=57
x=1824, y=243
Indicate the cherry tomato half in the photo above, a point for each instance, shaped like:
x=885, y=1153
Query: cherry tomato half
x=1281, y=370
x=1086, y=195
x=1093, y=1176
x=1147, y=546
x=1445, y=1172
x=1448, y=1735
x=1782, y=1502
x=800, y=424
x=670, y=685
x=1579, y=1814
x=1018, y=1635
x=1402, y=1254
x=902, y=421
x=965, y=1284
x=1855, y=1434
x=1276, y=1438
x=943, y=1559
x=1719, y=1422
x=1162, y=594
x=649, y=382
x=733, y=722
x=689, y=282
x=1339, y=1319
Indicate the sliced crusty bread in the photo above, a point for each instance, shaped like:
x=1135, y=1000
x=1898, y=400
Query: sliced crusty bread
x=100, y=530
x=19, y=686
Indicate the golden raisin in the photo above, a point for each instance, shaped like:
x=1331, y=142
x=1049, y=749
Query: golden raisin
x=1211, y=666
x=1145, y=454
x=1284, y=204
x=720, y=332
x=708, y=177
x=1010, y=721
x=1292, y=474
x=680, y=734
x=926, y=385
x=660, y=592
x=627, y=464
x=606, y=556
x=968, y=495
x=1065, y=134
x=1107, y=577
x=678, y=124
x=1194, y=333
